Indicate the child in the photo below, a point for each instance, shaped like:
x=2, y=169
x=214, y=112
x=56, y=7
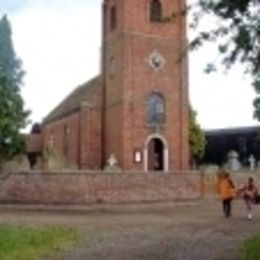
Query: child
x=250, y=192
x=226, y=191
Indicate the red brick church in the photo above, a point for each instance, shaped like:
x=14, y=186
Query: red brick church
x=137, y=108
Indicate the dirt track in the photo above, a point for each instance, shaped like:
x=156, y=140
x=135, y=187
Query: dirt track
x=156, y=232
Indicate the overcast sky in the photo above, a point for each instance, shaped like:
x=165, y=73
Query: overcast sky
x=59, y=42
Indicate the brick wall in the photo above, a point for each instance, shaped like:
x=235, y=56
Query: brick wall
x=98, y=187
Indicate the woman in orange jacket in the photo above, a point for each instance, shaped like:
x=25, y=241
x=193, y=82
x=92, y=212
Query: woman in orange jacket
x=226, y=191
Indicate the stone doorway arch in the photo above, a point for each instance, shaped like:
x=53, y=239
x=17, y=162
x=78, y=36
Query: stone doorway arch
x=156, y=154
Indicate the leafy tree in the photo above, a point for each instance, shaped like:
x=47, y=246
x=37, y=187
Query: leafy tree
x=236, y=33
x=10, y=65
x=12, y=113
x=197, y=138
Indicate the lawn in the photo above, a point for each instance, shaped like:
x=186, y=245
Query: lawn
x=31, y=243
x=251, y=249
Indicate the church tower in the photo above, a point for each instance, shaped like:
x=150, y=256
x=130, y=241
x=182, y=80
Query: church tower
x=145, y=85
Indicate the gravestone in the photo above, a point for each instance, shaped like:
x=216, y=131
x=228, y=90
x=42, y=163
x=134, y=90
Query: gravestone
x=112, y=164
x=258, y=165
x=24, y=164
x=210, y=173
x=252, y=162
x=52, y=160
x=19, y=163
x=233, y=163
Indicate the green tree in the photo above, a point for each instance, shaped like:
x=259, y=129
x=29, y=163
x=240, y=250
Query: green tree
x=13, y=116
x=10, y=65
x=197, y=138
x=236, y=34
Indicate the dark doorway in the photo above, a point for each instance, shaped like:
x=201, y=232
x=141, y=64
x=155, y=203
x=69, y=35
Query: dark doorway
x=156, y=155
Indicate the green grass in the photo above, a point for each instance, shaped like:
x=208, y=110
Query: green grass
x=31, y=243
x=251, y=249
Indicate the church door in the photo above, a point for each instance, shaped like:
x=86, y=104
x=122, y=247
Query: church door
x=155, y=155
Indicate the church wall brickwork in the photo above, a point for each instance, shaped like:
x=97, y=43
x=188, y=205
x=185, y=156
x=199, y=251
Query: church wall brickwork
x=113, y=127
x=90, y=133
x=84, y=134
x=131, y=43
x=53, y=134
x=169, y=83
x=136, y=18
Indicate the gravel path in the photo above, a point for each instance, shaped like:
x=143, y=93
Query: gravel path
x=194, y=231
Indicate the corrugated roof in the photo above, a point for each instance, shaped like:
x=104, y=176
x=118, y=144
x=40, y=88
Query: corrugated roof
x=74, y=100
x=233, y=130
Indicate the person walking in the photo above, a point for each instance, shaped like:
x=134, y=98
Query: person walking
x=226, y=191
x=250, y=192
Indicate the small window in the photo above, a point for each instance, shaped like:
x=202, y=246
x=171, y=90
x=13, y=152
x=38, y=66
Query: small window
x=155, y=11
x=156, y=109
x=113, y=18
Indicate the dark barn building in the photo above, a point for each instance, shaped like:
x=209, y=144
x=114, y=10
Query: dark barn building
x=244, y=140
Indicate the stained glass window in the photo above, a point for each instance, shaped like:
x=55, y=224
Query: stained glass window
x=156, y=109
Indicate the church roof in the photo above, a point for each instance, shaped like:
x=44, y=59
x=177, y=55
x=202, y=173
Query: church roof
x=73, y=101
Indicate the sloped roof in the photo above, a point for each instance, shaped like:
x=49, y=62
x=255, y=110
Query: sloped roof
x=233, y=130
x=73, y=101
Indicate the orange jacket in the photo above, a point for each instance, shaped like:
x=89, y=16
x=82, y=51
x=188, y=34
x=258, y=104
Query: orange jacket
x=226, y=188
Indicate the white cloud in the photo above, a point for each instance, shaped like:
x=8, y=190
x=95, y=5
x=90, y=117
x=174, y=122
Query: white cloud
x=222, y=100
x=59, y=51
x=17, y=6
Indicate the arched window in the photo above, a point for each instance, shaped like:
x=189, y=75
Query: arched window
x=156, y=109
x=65, y=140
x=155, y=11
x=113, y=18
